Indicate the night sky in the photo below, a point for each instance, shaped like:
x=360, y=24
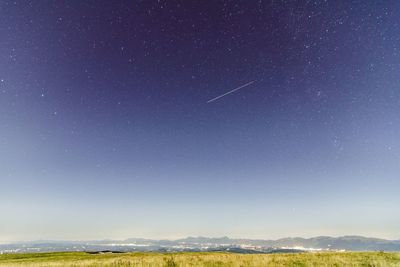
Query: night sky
x=105, y=129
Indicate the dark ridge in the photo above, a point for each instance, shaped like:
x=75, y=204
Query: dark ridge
x=105, y=252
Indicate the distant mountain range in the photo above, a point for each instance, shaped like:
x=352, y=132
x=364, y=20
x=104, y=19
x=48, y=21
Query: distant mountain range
x=297, y=244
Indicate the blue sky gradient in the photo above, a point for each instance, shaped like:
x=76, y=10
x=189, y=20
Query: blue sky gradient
x=105, y=129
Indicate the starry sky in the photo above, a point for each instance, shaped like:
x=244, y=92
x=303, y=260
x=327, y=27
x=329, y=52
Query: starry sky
x=105, y=129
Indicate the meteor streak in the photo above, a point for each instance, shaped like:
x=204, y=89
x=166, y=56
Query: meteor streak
x=227, y=93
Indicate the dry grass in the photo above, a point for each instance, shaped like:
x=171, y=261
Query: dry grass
x=80, y=259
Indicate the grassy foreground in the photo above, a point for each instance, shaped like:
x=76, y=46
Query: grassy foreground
x=209, y=259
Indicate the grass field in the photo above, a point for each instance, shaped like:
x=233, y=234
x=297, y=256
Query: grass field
x=212, y=259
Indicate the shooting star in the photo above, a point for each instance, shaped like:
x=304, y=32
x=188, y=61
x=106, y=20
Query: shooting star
x=227, y=93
